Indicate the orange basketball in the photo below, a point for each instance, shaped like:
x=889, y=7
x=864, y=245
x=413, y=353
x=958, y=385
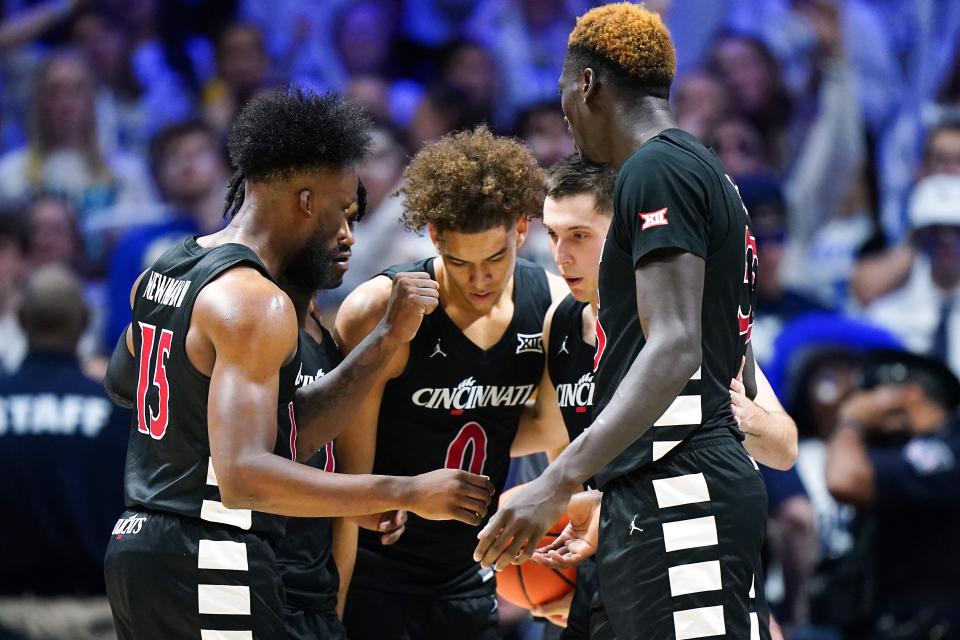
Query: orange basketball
x=533, y=584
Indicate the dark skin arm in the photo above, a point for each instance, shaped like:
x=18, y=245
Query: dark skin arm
x=325, y=407
x=669, y=286
x=243, y=330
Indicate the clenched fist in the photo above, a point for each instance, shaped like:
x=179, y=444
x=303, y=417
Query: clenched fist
x=450, y=494
x=414, y=295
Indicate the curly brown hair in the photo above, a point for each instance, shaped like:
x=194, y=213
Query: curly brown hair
x=471, y=181
x=631, y=38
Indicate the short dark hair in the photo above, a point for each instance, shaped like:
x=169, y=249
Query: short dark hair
x=288, y=130
x=574, y=176
x=629, y=43
x=470, y=182
x=160, y=143
x=890, y=366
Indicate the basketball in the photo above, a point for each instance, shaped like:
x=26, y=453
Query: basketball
x=533, y=584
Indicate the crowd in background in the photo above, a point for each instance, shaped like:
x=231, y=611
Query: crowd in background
x=839, y=120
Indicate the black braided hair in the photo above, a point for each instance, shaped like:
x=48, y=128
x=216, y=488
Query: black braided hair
x=235, y=189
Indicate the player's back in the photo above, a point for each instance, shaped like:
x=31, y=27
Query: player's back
x=169, y=467
x=457, y=406
x=673, y=193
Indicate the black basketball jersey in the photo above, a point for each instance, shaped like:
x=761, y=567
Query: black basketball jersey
x=674, y=193
x=168, y=455
x=304, y=554
x=570, y=365
x=455, y=406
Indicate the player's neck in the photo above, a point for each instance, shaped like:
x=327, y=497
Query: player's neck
x=636, y=122
x=251, y=228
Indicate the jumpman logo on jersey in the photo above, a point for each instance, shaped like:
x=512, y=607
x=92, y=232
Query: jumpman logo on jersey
x=563, y=346
x=438, y=350
x=633, y=524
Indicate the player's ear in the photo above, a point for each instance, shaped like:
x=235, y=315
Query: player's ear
x=435, y=237
x=305, y=201
x=588, y=84
x=523, y=226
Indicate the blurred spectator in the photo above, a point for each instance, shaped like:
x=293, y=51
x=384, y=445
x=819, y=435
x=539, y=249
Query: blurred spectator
x=923, y=311
x=381, y=170
x=740, y=146
x=19, y=58
x=881, y=269
x=894, y=456
x=52, y=235
x=13, y=249
x=243, y=69
x=529, y=40
x=130, y=109
x=191, y=174
x=468, y=67
x=373, y=94
x=700, y=101
x=544, y=130
x=62, y=448
x=777, y=302
x=63, y=156
x=752, y=74
x=442, y=110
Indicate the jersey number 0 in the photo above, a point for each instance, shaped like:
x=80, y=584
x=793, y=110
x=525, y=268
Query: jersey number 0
x=155, y=423
x=471, y=434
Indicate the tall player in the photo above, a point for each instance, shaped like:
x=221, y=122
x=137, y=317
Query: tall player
x=455, y=395
x=216, y=347
x=684, y=507
x=577, y=212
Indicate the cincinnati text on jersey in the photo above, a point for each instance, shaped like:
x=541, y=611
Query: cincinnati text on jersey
x=469, y=395
x=576, y=394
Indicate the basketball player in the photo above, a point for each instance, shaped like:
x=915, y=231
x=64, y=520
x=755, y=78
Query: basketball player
x=311, y=577
x=455, y=395
x=577, y=212
x=684, y=507
x=217, y=352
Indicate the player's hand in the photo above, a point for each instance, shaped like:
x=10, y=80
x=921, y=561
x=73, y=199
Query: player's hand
x=450, y=494
x=578, y=540
x=413, y=295
x=389, y=524
x=556, y=611
x=743, y=408
x=519, y=524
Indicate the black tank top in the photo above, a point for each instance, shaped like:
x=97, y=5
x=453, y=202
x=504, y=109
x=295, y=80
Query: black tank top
x=570, y=365
x=168, y=455
x=310, y=576
x=455, y=406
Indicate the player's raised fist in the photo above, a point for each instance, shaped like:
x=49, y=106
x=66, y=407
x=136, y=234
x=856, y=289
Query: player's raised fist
x=414, y=295
x=450, y=494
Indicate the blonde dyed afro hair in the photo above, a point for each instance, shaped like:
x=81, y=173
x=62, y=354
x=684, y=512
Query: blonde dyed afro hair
x=632, y=40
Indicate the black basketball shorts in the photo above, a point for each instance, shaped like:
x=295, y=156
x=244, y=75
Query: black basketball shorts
x=171, y=577
x=378, y=616
x=679, y=549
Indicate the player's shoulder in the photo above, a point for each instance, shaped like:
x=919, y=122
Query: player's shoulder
x=368, y=299
x=242, y=300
